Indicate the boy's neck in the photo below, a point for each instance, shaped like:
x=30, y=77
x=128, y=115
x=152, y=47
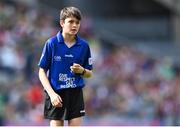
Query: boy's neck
x=68, y=38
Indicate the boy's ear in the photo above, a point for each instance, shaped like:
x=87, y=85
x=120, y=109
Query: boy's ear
x=61, y=23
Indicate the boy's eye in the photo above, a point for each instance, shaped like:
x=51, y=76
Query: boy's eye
x=77, y=22
x=70, y=21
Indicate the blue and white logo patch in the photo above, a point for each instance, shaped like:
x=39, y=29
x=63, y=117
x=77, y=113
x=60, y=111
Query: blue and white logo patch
x=90, y=61
x=57, y=58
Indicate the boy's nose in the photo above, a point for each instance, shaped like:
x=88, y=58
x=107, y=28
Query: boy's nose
x=74, y=24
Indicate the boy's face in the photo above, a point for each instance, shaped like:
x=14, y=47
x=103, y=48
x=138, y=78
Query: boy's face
x=70, y=25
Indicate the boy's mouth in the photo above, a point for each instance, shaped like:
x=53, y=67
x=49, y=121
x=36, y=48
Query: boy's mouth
x=73, y=30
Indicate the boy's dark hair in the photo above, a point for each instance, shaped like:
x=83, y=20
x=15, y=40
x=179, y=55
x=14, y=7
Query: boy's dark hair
x=70, y=11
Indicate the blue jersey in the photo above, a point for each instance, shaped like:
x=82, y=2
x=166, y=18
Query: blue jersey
x=57, y=59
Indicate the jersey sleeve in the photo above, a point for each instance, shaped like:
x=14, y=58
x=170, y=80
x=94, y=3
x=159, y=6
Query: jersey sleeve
x=88, y=64
x=46, y=56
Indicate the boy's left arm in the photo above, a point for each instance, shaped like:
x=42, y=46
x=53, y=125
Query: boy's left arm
x=87, y=73
x=77, y=68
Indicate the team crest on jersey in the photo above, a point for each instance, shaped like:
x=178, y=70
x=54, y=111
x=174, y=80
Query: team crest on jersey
x=57, y=58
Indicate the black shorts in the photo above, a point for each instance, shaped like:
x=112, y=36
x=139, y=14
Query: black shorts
x=73, y=105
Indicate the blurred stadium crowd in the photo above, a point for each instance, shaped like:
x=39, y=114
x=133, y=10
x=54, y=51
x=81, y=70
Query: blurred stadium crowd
x=127, y=85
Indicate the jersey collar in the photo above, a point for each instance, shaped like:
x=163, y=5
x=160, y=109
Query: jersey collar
x=61, y=39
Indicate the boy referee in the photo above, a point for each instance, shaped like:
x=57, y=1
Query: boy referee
x=65, y=61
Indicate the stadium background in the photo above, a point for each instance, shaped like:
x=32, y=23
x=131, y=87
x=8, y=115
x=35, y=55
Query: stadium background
x=135, y=46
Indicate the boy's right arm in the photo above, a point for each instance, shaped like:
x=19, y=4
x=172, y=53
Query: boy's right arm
x=55, y=98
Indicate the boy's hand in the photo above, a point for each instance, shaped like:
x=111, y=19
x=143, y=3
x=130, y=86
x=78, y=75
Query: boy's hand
x=77, y=68
x=56, y=100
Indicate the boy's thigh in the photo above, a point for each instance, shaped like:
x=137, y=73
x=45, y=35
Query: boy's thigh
x=75, y=122
x=56, y=123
